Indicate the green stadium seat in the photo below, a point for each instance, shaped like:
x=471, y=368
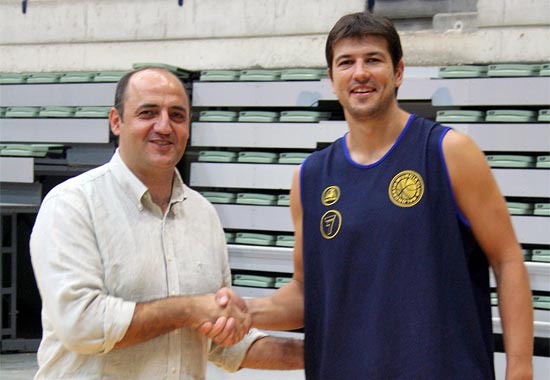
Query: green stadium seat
x=510, y=161
x=43, y=78
x=219, y=196
x=281, y=281
x=259, y=75
x=57, y=111
x=253, y=281
x=542, y=209
x=256, y=199
x=466, y=71
x=510, y=116
x=513, y=70
x=545, y=70
x=303, y=74
x=77, y=77
x=218, y=116
x=283, y=200
x=544, y=115
x=26, y=112
x=541, y=255
x=109, y=76
x=219, y=76
x=229, y=237
x=251, y=238
x=92, y=112
x=541, y=302
x=258, y=116
x=543, y=162
x=520, y=208
x=460, y=116
x=3, y=111
x=30, y=150
x=217, y=156
x=292, y=157
x=13, y=78
x=303, y=116
x=257, y=157
x=285, y=241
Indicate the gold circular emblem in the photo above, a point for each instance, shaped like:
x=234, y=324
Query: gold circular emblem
x=331, y=221
x=330, y=195
x=406, y=188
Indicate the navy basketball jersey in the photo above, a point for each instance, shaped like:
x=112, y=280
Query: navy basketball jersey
x=396, y=286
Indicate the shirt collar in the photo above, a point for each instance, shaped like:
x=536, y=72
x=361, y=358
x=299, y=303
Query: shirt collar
x=135, y=189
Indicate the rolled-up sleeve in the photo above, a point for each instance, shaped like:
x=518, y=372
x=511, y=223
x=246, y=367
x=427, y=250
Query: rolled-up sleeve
x=69, y=273
x=230, y=358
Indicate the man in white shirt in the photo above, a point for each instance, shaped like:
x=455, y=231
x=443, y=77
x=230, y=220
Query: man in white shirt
x=127, y=259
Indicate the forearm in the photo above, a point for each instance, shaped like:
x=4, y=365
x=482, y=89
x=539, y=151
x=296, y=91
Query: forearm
x=275, y=353
x=155, y=318
x=516, y=313
x=283, y=310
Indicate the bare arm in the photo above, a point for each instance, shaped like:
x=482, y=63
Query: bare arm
x=284, y=309
x=481, y=202
x=275, y=353
x=159, y=317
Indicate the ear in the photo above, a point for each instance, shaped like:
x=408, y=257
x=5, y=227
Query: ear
x=399, y=72
x=329, y=74
x=115, y=120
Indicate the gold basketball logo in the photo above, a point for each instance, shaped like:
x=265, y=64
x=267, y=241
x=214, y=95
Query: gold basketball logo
x=331, y=221
x=330, y=195
x=406, y=188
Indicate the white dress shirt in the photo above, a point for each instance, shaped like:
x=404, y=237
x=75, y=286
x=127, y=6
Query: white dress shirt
x=98, y=247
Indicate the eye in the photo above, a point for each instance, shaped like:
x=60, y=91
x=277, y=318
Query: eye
x=345, y=62
x=147, y=114
x=178, y=117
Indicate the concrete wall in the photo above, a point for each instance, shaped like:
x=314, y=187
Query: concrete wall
x=205, y=34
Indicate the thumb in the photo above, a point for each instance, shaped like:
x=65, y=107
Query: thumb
x=222, y=297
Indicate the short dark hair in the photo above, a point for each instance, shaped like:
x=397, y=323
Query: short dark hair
x=122, y=86
x=359, y=25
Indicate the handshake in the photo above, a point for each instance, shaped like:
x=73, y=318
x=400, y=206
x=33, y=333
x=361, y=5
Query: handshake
x=222, y=317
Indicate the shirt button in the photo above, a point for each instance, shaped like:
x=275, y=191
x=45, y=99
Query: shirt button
x=169, y=258
x=173, y=369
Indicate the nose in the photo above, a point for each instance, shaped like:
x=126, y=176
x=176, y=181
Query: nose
x=361, y=72
x=162, y=125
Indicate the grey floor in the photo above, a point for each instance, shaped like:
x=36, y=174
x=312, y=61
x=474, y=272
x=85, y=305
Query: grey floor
x=17, y=366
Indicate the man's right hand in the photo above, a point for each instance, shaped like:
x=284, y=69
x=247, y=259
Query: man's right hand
x=231, y=327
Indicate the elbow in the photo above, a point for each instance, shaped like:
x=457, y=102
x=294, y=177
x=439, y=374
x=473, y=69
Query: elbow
x=75, y=340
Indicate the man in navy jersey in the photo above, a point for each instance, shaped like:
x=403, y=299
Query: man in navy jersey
x=396, y=226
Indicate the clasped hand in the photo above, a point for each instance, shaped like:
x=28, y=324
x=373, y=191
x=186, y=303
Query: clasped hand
x=233, y=320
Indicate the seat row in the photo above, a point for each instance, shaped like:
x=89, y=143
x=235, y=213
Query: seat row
x=263, y=239
x=257, y=281
x=295, y=74
x=250, y=116
x=517, y=161
x=83, y=76
x=500, y=70
x=259, y=199
x=252, y=157
x=493, y=116
x=526, y=208
x=55, y=112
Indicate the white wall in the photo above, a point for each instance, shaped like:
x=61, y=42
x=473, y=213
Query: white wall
x=205, y=34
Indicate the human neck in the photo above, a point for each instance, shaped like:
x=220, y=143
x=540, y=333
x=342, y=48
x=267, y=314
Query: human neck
x=159, y=183
x=369, y=140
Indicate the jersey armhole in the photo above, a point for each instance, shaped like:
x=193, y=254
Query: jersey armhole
x=461, y=216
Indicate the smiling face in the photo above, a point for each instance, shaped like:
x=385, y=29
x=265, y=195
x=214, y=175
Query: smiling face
x=363, y=77
x=154, y=129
